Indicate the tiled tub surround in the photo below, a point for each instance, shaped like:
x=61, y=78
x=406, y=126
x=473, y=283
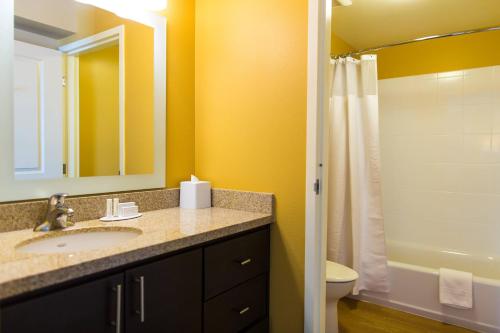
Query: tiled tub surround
x=440, y=146
x=163, y=231
x=440, y=150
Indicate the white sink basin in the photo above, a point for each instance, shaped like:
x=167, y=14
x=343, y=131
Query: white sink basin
x=78, y=240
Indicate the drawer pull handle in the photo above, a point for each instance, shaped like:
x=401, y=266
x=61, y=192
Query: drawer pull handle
x=118, y=320
x=245, y=262
x=141, y=312
x=245, y=310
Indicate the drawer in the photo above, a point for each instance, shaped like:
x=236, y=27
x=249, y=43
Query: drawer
x=261, y=327
x=237, y=260
x=237, y=308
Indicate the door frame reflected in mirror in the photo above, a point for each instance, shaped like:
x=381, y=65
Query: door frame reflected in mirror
x=114, y=36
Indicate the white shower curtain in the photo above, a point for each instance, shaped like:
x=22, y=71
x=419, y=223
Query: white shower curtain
x=355, y=220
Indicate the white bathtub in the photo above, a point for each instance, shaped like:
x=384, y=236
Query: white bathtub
x=415, y=286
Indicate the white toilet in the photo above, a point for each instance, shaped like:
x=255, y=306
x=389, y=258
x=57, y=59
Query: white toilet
x=339, y=283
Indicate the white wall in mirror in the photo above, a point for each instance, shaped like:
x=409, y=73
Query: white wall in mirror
x=22, y=171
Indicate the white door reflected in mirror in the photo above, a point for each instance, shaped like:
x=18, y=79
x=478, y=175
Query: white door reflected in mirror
x=38, y=112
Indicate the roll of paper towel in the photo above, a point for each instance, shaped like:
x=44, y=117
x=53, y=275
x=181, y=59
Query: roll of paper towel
x=195, y=194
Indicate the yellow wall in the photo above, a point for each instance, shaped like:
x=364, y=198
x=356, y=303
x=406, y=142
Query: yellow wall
x=250, y=131
x=99, y=113
x=180, y=90
x=139, y=103
x=139, y=94
x=250, y=118
x=339, y=46
x=440, y=55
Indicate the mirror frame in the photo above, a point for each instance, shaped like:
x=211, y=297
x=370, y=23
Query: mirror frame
x=12, y=189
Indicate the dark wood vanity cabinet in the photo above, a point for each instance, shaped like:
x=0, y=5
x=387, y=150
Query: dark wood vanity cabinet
x=164, y=296
x=220, y=287
x=95, y=307
x=236, y=283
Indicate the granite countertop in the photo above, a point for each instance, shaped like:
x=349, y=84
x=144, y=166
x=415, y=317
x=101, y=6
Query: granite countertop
x=163, y=231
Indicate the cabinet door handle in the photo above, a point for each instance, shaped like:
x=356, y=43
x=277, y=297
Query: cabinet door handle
x=141, y=310
x=244, y=310
x=118, y=319
x=245, y=262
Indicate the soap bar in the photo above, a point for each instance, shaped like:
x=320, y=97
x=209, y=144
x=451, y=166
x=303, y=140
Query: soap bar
x=195, y=194
x=123, y=205
x=129, y=211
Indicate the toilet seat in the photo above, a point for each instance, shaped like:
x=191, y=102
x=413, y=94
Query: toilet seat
x=339, y=273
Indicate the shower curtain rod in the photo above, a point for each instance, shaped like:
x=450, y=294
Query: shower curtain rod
x=421, y=39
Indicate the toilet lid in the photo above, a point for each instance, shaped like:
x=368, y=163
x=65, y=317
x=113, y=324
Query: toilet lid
x=339, y=273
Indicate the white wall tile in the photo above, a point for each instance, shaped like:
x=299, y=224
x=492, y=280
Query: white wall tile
x=477, y=148
x=495, y=181
x=450, y=74
x=480, y=208
x=411, y=121
x=478, y=86
x=389, y=119
x=477, y=178
x=478, y=118
x=445, y=177
x=495, y=148
x=495, y=110
x=440, y=137
x=454, y=119
x=450, y=90
x=445, y=148
x=496, y=84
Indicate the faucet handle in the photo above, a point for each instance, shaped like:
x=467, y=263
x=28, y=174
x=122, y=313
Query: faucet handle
x=57, y=198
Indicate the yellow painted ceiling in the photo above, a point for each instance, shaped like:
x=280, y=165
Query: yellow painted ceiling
x=370, y=23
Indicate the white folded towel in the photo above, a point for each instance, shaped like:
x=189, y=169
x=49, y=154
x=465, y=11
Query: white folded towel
x=455, y=288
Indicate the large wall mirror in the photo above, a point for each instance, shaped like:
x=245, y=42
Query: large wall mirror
x=82, y=98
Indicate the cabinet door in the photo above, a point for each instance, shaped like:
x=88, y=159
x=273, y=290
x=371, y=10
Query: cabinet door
x=166, y=296
x=91, y=307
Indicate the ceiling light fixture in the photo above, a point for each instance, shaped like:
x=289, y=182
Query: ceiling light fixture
x=343, y=2
x=153, y=5
x=122, y=7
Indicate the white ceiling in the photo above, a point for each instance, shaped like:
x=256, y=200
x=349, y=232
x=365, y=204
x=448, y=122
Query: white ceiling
x=370, y=23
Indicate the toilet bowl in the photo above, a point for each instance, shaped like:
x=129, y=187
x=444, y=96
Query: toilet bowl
x=339, y=283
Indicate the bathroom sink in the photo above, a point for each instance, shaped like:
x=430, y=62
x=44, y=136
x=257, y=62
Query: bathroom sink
x=78, y=240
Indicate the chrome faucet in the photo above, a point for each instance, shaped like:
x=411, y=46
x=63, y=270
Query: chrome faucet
x=57, y=214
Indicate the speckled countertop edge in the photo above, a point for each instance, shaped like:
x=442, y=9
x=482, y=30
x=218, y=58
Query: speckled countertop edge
x=162, y=234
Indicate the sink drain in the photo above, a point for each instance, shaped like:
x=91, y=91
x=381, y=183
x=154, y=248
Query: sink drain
x=61, y=245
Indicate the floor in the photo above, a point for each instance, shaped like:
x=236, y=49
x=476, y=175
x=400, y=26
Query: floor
x=362, y=317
